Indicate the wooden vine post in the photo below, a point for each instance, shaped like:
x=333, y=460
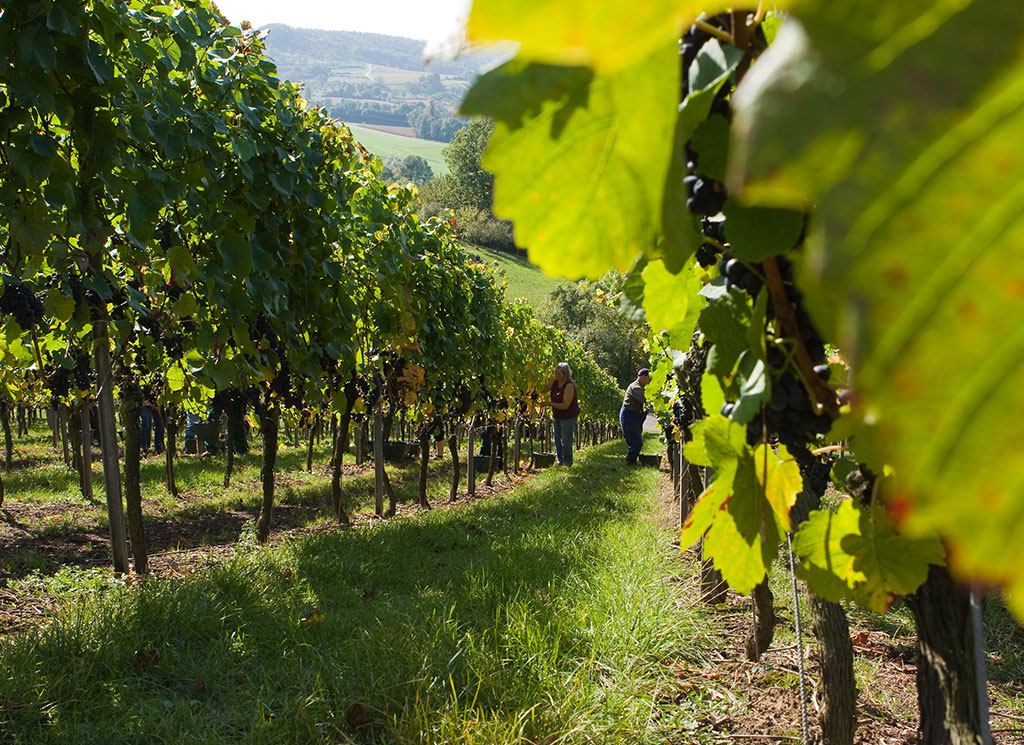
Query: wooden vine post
x=108, y=441
x=470, y=465
x=378, y=461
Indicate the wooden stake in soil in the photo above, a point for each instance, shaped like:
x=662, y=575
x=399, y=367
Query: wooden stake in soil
x=470, y=465
x=108, y=440
x=87, y=449
x=378, y=463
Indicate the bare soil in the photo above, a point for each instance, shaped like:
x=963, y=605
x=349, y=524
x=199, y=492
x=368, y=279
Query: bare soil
x=764, y=696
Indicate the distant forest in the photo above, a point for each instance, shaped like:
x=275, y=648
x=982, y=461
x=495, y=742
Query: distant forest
x=376, y=79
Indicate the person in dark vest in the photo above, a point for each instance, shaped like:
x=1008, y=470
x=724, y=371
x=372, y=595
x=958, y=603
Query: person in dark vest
x=565, y=407
x=633, y=413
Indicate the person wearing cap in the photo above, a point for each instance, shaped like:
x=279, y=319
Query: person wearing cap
x=633, y=413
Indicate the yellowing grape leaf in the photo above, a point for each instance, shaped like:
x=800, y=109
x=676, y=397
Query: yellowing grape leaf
x=673, y=302
x=856, y=552
x=744, y=536
x=716, y=440
x=580, y=160
x=783, y=482
x=605, y=35
x=912, y=158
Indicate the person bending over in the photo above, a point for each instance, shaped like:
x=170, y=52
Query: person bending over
x=633, y=413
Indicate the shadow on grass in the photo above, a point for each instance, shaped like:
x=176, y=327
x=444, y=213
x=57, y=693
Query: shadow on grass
x=453, y=609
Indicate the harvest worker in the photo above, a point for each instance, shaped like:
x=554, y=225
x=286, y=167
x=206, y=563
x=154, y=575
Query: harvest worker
x=565, y=407
x=632, y=414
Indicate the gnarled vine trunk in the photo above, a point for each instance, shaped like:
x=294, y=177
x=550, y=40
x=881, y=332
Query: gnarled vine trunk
x=838, y=716
x=424, y=466
x=834, y=650
x=170, y=434
x=131, y=406
x=269, y=423
x=453, y=448
x=947, y=672
x=763, y=630
x=338, y=453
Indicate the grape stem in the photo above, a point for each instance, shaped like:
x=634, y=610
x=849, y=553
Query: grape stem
x=714, y=31
x=829, y=449
x=823, y=395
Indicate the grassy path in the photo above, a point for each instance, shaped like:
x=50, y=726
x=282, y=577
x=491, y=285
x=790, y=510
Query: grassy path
x=540, y=617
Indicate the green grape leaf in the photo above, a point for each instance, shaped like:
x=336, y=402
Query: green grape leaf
x=605, y=35
x=755, y=332
x=711, y=142
x=711, y=394
x=724, y=322
x=185, y=306
x=236, y=253
x=755, y=233
x=752, y=387
x=175, y=377
x=59, y=305
x=898, y=143
x=631, y=303
x=181, y=262
x=713, y=63
x=672, y=302
x=59, y=20
x=842, y=468
x=579, y=160
x=99, y=63
x=860, y=548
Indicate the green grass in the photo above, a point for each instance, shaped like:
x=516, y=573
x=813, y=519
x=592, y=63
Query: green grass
x=524, y=279
x=386, y=145
x=545, y=614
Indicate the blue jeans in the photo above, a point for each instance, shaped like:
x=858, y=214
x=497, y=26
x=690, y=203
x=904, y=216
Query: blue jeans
x=152, y=423
x=632, y=423
x=564, y=429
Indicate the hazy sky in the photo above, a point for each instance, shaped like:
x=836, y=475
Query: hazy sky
x=432, y=20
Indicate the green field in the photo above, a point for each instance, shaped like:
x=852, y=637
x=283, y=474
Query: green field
x=524, y=279
x=388, y=145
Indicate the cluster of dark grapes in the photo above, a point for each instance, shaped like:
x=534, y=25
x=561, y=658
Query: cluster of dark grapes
x=58, y=380
x=739, y=274
x=232, y=401
x=684, y=414
x=362, y=386
x=465, y=400
x=814, y=470
x=173, y=345
x=714, y=231
x=704, y=195
x=82, y=372
x=19, y=301
x=789, y=416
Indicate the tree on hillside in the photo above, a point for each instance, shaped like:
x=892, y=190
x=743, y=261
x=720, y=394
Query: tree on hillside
x=588, y=313
x=468, y=190
x=412, y=168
